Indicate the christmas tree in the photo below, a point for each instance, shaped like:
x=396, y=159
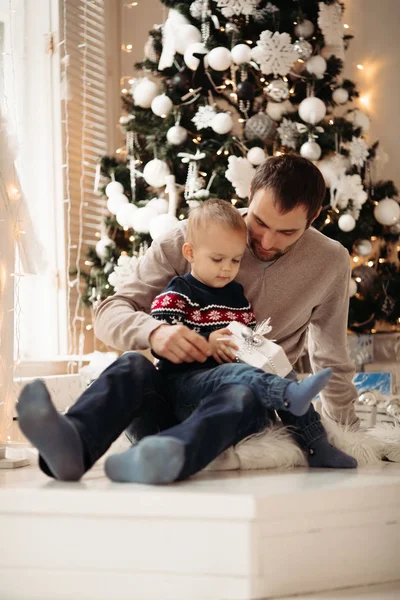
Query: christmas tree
x=224, y=85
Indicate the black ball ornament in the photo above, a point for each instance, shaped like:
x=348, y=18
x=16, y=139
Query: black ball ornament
x=180, y=82
x=245, y=90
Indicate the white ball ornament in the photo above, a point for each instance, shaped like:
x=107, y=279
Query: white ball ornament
x=316, y=65
x=219, y=58
x=191, y=61
x=102, y=245
x=256, y=156
x=241, y=54
x=277, y=110
x=222, y=123
x=340, y=95
x=161, y=105
x=387, y=212
x=312, y=110
x=125, y=214
x=305, y=29
x=352, y=288
x=359, y=119
x=185, y=35
x=144, y=92
x=114, y=187
x=346, y=223
x=115, y=202
x=155, y=172
x=311, y=150
x=177, y=135
x=160, y=205
x=162, y=224
x=142, y=219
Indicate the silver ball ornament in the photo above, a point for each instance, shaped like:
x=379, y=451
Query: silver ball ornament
x=260, y=126
x=303, y=49
x=277, y=90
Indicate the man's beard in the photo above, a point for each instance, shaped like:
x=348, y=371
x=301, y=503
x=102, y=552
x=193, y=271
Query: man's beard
x=275, y=253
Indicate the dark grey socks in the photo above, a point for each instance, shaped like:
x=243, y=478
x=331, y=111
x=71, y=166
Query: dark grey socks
x=298, y=396
x=53, y=434
x=323, y=455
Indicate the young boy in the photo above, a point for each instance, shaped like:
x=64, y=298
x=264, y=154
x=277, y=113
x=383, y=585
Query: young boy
x=207, y=300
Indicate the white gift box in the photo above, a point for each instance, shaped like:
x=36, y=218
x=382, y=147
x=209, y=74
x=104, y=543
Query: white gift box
x=258, y=351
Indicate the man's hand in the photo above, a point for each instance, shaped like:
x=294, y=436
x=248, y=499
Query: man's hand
x=179, y=344
x=222, y=350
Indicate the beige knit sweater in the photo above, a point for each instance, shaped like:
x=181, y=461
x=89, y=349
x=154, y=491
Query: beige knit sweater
x=306, y=290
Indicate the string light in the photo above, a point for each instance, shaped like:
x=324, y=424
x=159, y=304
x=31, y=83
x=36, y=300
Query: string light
x=346, y=26
x=370, y=263
x=355, y=259
x=360, y=67
x=331, y=121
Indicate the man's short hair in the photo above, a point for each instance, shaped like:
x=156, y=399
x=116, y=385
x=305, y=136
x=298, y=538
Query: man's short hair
x=216, y=211
x=294, y=181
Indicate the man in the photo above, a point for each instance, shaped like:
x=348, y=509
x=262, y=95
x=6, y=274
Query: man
x=290, y=272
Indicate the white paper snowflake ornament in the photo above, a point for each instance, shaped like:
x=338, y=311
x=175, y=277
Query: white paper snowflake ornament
x=358, y=151
x=346, y=188
x=203, y=117
x=274, y=53
x=260, y=126
x=126, y=266
x=240, y=173
x=231, y=8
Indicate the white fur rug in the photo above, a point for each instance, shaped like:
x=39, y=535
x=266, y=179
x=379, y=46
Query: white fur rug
x=274, y=448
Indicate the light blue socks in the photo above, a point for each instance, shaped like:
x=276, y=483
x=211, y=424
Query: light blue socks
x=154, y=460
x=298, y=396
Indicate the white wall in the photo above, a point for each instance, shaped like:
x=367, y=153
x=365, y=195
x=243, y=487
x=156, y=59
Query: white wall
x=376, y=45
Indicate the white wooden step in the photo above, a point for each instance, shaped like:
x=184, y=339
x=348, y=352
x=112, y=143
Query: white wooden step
x=233, y=536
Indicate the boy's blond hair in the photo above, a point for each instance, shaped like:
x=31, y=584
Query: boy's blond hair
x=212, y=211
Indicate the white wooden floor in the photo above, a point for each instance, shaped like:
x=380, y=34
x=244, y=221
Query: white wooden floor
x=219, y=536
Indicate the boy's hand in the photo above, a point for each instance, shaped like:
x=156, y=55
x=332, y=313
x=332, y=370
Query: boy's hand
x=222, y=350
x=179, y=344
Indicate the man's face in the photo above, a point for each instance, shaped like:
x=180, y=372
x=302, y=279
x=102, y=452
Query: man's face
x=270, y=232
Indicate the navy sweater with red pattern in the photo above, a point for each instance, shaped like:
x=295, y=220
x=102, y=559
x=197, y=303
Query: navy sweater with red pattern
x=202, y=308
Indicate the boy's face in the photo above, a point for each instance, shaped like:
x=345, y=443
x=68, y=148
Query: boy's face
x=270, y=232
x=215, y=255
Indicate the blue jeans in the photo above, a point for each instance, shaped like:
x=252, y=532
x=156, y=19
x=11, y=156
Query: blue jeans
x=210, y=403
x=132, y=395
